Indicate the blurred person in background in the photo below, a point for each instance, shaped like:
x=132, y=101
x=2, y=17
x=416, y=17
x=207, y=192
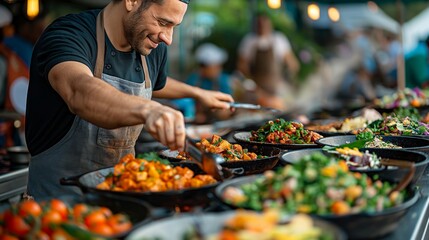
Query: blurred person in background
x=417, y=65
x=357, y=84
x=26, y=33
x=387, y=56
x=5, y=20
x=14, y=75
x=210, y=76
x=263, y=56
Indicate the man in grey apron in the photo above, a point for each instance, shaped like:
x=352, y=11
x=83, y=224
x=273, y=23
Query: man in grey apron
x=262, y=57
x=83, y=111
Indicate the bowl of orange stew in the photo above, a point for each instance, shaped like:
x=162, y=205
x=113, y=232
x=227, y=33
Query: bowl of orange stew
x=161, y=185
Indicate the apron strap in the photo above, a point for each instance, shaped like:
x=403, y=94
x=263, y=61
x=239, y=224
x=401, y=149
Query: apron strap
x=148, y=82
x=100, y=46
x=99, y=64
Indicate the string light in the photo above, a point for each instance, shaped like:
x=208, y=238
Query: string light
x=32, y=8
x=313, y=11
x=274, y=4
x=334, y=14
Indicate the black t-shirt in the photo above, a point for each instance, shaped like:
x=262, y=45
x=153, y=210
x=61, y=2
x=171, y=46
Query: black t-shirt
x=73, y=38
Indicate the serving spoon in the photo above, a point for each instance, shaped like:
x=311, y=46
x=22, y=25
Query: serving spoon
x=400, y=164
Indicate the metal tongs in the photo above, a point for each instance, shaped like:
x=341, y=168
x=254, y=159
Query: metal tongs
x=253, y=107
x=209, y=162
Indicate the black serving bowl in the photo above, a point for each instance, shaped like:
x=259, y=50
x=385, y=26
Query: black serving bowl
x=176, y=227
x=18, y=155
x=363, y=225
x=406, y=142
x=392, y=174
x=243, y=139
x=239, y=167
x=189, y=197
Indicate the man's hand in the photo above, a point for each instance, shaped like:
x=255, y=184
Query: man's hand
x=167, y=126
x=214, y=99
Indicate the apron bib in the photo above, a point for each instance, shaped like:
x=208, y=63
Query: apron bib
x=87, y=147
x=266, y=71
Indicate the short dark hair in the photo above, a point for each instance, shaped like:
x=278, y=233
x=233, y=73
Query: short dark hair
x=147, y=3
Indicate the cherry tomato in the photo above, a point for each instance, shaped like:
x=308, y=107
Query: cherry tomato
x=102, y=229
x=119, y=223
x=50, y=218
x=59, y=206
x=29, y=207
x=17, y=226
x=94, y=217
x=42, y=236
x=79, y=211
x=106, y=211
x=59, y=233
x=8, y=237
x=7, y=215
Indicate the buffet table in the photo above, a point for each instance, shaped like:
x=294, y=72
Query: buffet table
x=13, y=183
x=414, y=225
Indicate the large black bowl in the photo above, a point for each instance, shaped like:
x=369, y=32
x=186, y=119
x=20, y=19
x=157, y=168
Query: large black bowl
x=406, y=142
x=189, y=197
x=243, y=139
x=210, y=223
x=420, y=160
x=358, y=225
x=244, y=167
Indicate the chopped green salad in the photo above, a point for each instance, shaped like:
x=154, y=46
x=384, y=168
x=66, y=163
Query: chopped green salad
x=415, y=97
x=316, y=184
x=393, y=125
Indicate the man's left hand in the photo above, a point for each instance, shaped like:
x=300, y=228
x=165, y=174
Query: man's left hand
x=214, y=99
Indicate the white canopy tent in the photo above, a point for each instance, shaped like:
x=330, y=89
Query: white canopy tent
x=415, y=29
x=361, y=15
